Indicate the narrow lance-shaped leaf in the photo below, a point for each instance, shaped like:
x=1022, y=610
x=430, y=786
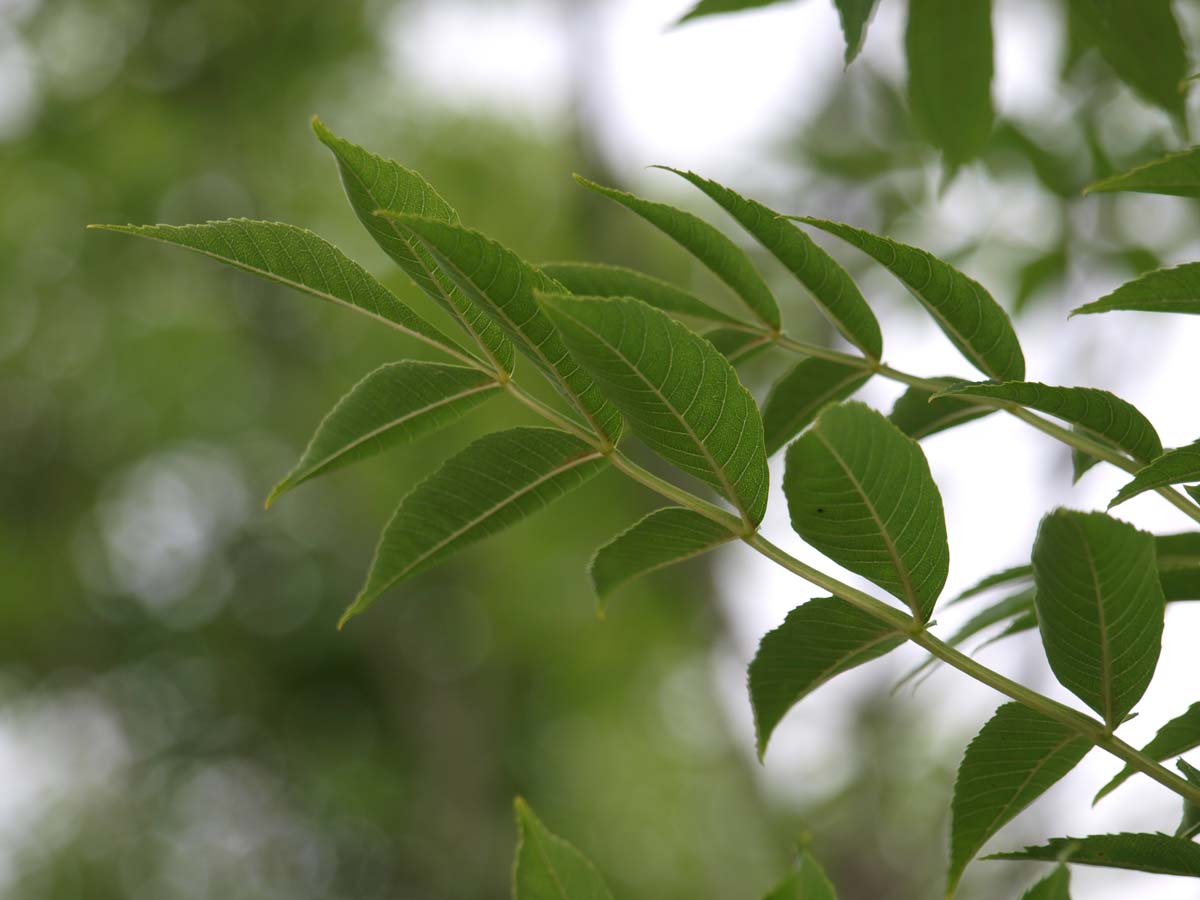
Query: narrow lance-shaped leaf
x=299, y=259
x=721, y=255
x=1179, y=735
x=1176, y=174
x=800, y=394
x=949, y=50
x=1055, y=886
x=975, y=323
x=664, y=537
x=808, y=882
x=373, y=183
x=996, y=579
x=1178, y=466
x=818, y=640
x=720, y=7
x=1099, y=412
x=486, y=487
x=854, y=15
x=548, y=868
x=503, y=284
x=918, y=413
x=598, y=280
x=1017, y=757
x=830, y=286
x=860, y=492
x=1157, y=853
x=395, y=404
x=1174, y=290
x=1189, y=825
x=1099, y=607
x=680, y=396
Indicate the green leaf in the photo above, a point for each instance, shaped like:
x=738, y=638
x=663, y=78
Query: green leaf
x=680, y=396
x=1099, y=607
x=975, y=323
x=854, y=15
x=373, y=183
x=299, y=259
x=818, y=640
x=830, y=286
x=1177, y=174
x=919, y=413
x=1055, y=886
x=1174, y=290
x=738, y=346
x=548, y=868
x=1156, y=853
x=664, y=537
x=1017, y=757
x=1081, y=463
x=720, y=7
x=800, y=394
x=721, y=255
x=860, y=492
x=996, y=579
x=949, y=49
x=486, y=487
x=1140, y=39
x=395, y=404
x=503, y=285
x=1102, y=414
x=1189, y=825
x=1179, y=735
x=1179, y=565
x=1173, y=467
x=598, y=280
x=808, y=882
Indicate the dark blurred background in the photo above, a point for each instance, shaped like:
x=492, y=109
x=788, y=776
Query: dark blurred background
x=179, y=718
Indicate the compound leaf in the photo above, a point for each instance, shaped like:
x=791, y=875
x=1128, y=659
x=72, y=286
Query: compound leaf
x=599, y=280
x=1179, y=735
x=1157, y=853
x=860, y=492
x=548, y=868
x=801, y=393
x=1177, y=174
x=1174, y=290
x=1173, y=467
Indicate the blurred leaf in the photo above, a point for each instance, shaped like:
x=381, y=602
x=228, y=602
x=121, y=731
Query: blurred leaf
x=1055, y=886
x=1057, y=174
x=664, y=537
x=1039, y=274
x=975, y=323
x=681, y=397
x=820, y=639
x=1017, y=757
x=721, y=255
x=719, y=7
x=1189, y=825
x=802, y=392
x=1005, y=576
x=948, y=44
x=397, y=403
x=1179, y=735
x=833, y=290
x=373, y=183
x=503, y=285
x=1174, y=290
x=854, y=15
x=738, y=346
x=1143, y=852
x=1174, y=467
x=548, y=868
x=1177, y=174
x=918, y=413
x=1099, y=608
x=808, y=882
x=860, y=492
x=597, y=280
x=486, y=487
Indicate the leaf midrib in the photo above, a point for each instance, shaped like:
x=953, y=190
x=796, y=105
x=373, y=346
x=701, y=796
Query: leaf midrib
x=1106, y=697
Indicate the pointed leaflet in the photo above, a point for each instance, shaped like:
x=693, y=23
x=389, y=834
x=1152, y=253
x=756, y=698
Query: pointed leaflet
x=598, y=280
x=1099, y=412
x=395, y=404
x=860, y=492
x=949, y=49
x=664, y=537
x=1015, y=759
x=1177, y=174
x=738, y=346
x=548, y=868
x=800, y=394
x=373, y=183
x=1189, y=825
x=1005, y=576
x=808, y=882
x=299, y=259
x=1179, y=735
x=721, y=255
x=975, y=323
x=818, y=640
x=1174, y=467
x=918, y=413
x=1174, y=290
x=680, y=396
x=1140, y=39
x=1099, y=608
x=486, y=487
x=719, y=7
x=503, y=285
x=854, y=14
x=1055, y=886
x=1179, y=565
x=1144, y=852
x=833, y=290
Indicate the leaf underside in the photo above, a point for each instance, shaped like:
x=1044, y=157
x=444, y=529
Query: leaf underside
x=919, y=413
x=1055, y=886
x=1177, y=174
x=1178, y=466
x=804, y=391
x=599, y=280
x=1174, y=290
x=1157, y=853
x=1179, y=735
